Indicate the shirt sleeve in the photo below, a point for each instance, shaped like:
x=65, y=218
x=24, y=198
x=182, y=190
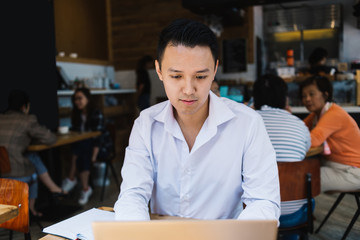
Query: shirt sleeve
x=138, y=175
x=260, y=176
x=40, y=134
x=329, y=123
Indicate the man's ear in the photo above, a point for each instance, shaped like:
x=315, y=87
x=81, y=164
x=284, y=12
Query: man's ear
x=216, y=66
x=158, y=70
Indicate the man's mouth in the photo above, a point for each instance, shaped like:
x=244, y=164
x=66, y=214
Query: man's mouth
x=188, y=101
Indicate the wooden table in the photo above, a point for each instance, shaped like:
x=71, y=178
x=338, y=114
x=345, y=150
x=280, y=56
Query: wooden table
x=63, y=139
x=7, y=212
x=315, y=151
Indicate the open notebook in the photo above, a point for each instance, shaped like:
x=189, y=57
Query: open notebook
x=187, y=229
x=80, y=224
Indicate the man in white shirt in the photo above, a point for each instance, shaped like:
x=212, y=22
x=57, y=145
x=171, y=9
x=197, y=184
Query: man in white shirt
x=197, y=155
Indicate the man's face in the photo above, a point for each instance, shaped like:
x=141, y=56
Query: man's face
x=187, y=74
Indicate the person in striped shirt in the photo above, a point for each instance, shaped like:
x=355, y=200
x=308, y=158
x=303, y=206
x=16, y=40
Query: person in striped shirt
x=288, y=134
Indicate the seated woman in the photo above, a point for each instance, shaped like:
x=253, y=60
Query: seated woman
x=17, y=130
x=288, y=134
x=333, y=127
x=84, y=118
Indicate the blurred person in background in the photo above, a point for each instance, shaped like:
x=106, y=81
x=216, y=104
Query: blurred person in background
x=215, y=87
x=331, y=126
x=18, y=129
x=143, y=82
x=317, y=61
x=288, y=135
x=85, y=117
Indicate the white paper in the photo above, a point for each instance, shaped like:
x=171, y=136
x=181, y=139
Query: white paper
x=80, y=224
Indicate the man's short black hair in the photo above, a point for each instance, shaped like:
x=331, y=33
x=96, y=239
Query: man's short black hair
x=270, y=90
x=17, y=99
x=322, y=83
x=188, y=33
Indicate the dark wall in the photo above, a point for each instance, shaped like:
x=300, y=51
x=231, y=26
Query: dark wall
x=29, y=56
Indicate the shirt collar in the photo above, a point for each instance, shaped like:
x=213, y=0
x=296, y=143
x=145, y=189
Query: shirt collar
x=219, y=113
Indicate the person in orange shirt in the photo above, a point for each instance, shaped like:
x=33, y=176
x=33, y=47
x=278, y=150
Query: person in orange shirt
x=333, y=127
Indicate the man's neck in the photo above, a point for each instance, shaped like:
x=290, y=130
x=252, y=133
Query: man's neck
x=191, y=124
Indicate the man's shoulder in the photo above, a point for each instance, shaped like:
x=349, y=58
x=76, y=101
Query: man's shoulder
x=150, y=113
x=18, y=116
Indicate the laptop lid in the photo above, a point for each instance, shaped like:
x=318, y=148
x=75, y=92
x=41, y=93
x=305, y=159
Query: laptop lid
x=187, y=229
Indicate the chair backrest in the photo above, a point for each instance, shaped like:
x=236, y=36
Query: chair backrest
x=292, y=178
x=13, y=192
x=4, y=160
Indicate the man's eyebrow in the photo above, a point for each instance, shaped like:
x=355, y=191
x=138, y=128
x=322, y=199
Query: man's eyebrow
x=203, y=71
x=200, y=71
x=173, y=70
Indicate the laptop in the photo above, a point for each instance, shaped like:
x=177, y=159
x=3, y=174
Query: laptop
x=187, y=230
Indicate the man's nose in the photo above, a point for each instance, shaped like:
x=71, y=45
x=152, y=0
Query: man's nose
x=189, y=87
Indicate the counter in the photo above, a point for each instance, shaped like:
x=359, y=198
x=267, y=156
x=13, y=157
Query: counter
x=97, y=92
x=303, y=110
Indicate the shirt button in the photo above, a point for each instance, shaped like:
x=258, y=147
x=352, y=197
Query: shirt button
x=185, y=198
x=187, y=171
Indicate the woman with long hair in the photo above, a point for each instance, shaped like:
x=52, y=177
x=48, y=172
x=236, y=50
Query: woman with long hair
x=84, y=117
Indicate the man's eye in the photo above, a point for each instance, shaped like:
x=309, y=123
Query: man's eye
x=201, y=77
x=175, y=76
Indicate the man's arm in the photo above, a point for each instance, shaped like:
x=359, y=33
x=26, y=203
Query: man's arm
x=260, y=176
x=328, y=124
x=40, y=134
x=137, y=185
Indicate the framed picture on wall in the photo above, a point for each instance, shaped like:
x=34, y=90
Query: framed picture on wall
x=234, y=55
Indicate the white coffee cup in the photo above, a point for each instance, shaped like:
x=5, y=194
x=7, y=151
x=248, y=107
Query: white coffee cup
x=63, y=129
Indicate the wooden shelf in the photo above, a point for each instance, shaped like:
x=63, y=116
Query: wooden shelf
x=84, y=30
x=84, y=60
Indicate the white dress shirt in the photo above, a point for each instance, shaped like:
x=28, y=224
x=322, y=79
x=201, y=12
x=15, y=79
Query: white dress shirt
x=232, y=162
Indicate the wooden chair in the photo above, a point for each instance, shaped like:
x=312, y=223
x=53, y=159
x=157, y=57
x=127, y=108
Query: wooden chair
x=13, y=192
x=356, y=194
x=4, y=161
x=111, y=128
x=299, y=180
